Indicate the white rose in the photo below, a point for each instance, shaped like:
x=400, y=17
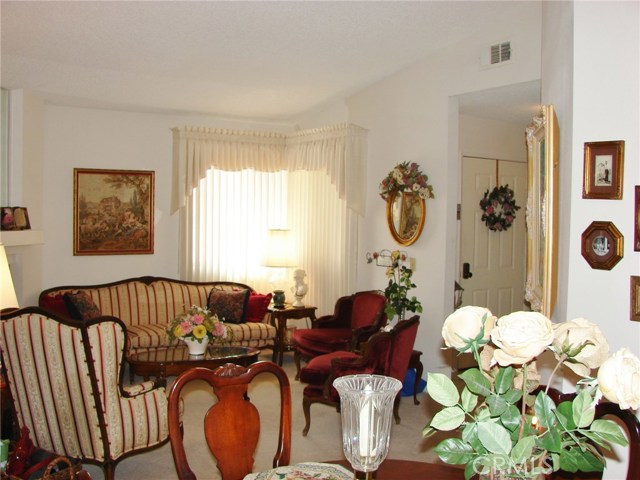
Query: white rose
x=570, y=335
x=464, y=324
x=520, y=337
x=619, y=379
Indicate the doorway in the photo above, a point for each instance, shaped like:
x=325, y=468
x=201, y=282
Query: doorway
x=494, y=262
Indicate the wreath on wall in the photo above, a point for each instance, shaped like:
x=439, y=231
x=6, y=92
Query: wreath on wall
x=499, y=208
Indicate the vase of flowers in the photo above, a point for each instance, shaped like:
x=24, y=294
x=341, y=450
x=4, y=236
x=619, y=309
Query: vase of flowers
x=397, y=291
x=196, y=328
x=509, y=427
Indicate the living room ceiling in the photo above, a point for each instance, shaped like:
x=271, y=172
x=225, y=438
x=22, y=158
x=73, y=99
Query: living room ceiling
x=262, y=60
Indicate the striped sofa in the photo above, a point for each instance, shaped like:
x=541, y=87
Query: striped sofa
x=65, y=381
x=147, y=304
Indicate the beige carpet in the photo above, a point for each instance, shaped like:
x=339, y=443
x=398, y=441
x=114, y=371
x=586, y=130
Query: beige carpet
x=321, y=444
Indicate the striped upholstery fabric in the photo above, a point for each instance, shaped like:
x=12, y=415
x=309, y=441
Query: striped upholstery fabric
x=56, y=370
x=147, y=304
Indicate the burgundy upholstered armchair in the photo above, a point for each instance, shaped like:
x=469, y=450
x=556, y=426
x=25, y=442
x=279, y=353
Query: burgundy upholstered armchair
x=385, y=353
x=355, y=318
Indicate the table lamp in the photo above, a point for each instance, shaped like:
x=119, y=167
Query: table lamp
x=8, y=299
x=278, y=254
x=366, y=409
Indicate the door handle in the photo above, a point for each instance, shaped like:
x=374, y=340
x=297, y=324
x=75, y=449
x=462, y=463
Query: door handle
x=466, y=270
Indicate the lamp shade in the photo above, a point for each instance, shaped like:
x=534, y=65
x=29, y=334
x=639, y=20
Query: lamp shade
x=8, y=297
x=279, y=250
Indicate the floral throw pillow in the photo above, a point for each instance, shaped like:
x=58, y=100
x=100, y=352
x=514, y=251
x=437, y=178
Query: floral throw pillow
x=229, y=306
x=81, y=306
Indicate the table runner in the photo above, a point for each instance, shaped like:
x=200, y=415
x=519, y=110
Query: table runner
x=304, y=471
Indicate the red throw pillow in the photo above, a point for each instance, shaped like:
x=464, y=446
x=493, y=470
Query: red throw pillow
x=257, y=306
x=81, y=306
x=55, y=304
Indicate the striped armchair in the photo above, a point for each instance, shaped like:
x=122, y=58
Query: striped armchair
x=65, y=381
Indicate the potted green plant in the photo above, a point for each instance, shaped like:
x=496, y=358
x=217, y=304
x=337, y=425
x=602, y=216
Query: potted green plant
x=397, y=291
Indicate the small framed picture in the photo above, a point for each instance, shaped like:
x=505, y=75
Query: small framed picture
x=635, y=298
x=602, y=245
x=636, y=222
x=14, y=218
x=603, y=169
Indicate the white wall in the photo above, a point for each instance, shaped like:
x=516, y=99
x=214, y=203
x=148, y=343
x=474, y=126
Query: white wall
x=483, y=137
x=88, y=138
x=409, y=117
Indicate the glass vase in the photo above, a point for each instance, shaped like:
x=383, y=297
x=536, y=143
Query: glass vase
x=366, y=405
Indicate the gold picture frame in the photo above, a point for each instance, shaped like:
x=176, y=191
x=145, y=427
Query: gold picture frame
x=603, y=168
x=636, y=221
x=542, y=211
x=635, y=298
x=112, y=211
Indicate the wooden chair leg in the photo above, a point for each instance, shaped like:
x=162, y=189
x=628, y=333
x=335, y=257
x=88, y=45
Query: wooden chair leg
x=396, y=408
x=296, y=358
x=306, y=408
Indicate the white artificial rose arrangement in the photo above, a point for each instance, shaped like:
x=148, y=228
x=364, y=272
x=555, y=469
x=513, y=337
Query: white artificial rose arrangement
x=507, y=422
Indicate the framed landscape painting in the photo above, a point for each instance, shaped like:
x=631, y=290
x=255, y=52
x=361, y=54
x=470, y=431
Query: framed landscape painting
x=112, y=212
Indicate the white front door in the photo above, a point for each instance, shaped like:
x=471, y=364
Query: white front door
x=496, y=260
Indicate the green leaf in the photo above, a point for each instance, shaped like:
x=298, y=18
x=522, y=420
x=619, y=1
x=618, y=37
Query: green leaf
x=442, y=389
x=511, y=418
x=610, y=431
x=454, y=451
x=512, y=395
x=551, y=440
x=494, y=437
x=476, y=382
x=448, y=418
x=543, y=408
x=504, y=378
x=566, y=410
x=583, y=409
x=523, y=449
x=587, y=462
x=469, y=470
x=497, y=405
x=568, y=461
x=469, y=400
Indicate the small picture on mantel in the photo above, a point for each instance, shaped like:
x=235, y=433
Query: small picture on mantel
x=15, y=218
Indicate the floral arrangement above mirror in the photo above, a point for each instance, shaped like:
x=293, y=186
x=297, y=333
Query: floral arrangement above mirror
x=406, y=177
x=405, y=189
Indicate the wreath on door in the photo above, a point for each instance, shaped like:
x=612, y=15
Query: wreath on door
x=499, y=208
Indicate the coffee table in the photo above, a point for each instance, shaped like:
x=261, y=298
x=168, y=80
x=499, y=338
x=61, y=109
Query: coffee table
x=167, y=361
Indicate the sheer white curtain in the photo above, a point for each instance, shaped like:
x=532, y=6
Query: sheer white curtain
x=231, y=187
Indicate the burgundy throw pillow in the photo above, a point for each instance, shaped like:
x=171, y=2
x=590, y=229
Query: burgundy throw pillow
x=257, y=306
x=229, y=306
x=55, y=304
x=81, y=306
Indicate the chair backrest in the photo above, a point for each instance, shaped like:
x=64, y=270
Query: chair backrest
x=234, y=415
x=65, y=379
x=402, y=348
x=367, y=309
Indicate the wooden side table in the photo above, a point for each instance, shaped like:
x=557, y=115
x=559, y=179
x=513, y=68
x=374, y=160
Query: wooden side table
x=279, y=317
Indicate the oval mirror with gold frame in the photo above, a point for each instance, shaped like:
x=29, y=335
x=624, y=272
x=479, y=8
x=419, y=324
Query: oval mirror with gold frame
x=406, y=212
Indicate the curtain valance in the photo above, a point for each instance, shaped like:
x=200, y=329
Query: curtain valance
x=338, y=150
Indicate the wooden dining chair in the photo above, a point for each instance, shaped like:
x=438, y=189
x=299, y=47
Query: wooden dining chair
x=233, y=414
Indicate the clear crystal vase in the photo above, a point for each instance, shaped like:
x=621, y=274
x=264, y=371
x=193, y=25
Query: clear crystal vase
x=366, y=405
